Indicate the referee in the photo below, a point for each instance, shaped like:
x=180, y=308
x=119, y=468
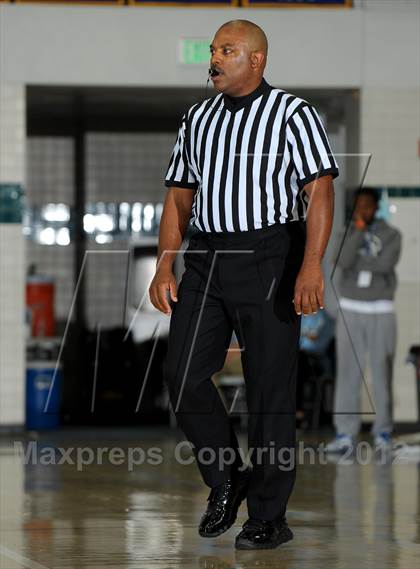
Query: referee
x=252, y=170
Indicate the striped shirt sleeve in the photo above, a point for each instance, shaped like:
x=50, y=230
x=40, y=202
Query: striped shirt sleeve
x=310, y=148
x=179, y=173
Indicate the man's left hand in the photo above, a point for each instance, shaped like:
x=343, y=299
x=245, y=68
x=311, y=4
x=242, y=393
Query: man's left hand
x=309, y=289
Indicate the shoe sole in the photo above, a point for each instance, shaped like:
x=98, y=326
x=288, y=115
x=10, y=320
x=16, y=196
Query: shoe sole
x=284, y=538
x=339, y=451
x=241, y=496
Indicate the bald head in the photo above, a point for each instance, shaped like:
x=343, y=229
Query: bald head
x=252, y=34
x=238, y=57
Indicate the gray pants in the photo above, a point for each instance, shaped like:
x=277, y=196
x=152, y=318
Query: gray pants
x=356, y=335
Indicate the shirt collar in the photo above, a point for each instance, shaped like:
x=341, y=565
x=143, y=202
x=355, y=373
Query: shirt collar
x=241, y=102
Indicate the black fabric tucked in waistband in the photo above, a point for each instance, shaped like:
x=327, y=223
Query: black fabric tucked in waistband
x=238, y=236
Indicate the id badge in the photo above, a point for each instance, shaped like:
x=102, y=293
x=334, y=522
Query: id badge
x=364, y=279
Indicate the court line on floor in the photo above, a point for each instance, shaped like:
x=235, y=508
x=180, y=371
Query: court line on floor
x=24, y=561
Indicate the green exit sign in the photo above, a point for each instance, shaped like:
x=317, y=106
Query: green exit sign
x=195, y=51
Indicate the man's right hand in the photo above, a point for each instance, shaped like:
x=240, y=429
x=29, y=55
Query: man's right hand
x=163, y=281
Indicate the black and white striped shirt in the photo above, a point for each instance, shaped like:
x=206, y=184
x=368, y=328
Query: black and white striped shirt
x=249, y=161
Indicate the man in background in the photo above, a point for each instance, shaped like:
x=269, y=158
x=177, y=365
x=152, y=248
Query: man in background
x=366, y=322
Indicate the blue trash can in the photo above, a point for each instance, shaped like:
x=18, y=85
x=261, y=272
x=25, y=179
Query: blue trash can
x=43, y=395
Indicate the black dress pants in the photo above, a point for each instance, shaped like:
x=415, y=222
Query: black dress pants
x=243, y=282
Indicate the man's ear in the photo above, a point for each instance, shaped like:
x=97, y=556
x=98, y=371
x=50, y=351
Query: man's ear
x=257, y=58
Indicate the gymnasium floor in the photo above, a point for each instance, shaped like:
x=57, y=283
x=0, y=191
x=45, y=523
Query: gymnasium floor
x=358, y=512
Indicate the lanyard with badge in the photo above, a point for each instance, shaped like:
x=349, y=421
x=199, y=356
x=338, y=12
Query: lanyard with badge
x=364, y=278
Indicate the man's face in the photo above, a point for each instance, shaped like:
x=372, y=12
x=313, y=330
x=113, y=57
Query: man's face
x=365, y=208
x=230, y=56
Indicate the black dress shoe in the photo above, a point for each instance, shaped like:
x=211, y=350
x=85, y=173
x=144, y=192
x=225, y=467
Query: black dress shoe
x=263, y=534
x=223, y=504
